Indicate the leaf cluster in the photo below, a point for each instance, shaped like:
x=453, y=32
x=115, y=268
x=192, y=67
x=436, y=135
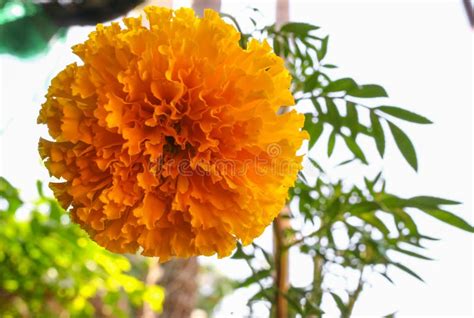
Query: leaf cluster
x=49, y=267
x=377, y=226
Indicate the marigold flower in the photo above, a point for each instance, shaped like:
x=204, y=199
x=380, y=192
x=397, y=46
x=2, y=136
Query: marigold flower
x=168, y=139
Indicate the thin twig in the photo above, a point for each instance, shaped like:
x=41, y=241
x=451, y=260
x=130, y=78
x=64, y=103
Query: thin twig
x=355, y=295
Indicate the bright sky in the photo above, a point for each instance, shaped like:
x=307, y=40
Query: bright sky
x=420, y=51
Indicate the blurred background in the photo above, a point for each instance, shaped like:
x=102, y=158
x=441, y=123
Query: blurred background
x=420, y=51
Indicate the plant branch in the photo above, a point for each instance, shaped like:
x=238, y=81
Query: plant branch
x=318, y=279
x=354, y=296
x=280, y=225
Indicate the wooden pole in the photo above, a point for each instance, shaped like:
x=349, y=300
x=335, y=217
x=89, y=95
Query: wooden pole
x=469, y=11
x=200, y=5
x=181, y=288
x=282, y=222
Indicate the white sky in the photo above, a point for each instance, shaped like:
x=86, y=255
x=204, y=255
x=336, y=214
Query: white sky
x=420, y=51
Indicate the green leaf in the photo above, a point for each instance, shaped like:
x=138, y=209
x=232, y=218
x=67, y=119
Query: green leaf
x=311, y=82
x=331, y=143
x=334, y=118
x=11, y=195
x=257, y=276
x=387, y=278
x=276, y=46
x=314, y=129
x=407, y=270
x=308, y=121
x=407, y=220
x=429, y=238
x=373, y=220
x=39, y=188
x=430, y=202
x=55, y=211
x=240, y=254
x=363, y=207
x=324, y=48
x=343, y=84
x=293, y=303
x=449, y=218
x=352, y=117
x=368, y=91
x=329, y=66
x=340, y=304
x=378, y=133
x=345, y=162
x=266, y=293
x=411, y=253
x=404, y=114
x=302, y=177
x=354, y=147
x=405, y=145
x=377, y=178
x=317, y=106
x=315, y=164
x=299, y=28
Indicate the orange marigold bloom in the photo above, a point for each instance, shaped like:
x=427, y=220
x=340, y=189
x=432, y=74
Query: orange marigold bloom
x=167, y=138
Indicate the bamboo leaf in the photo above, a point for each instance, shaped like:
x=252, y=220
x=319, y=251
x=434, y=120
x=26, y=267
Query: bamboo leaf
x=367, y=91
x=324, y=48
x=334, y=118
x=431, y=202
x=405, y=145
x=404, y=114
x=408, y=271
x=311, y=82
x=314, y=129
x=387, y=278
x=413, y=254
x=299, y=28
x=352, y=117
x=343, y=84
x=378, y=133
x=240, y=254
x=363, y=207
x=407, y=220
x=373, y=220
x=340, y=304
x=449, y=218
x=277, y=46
x=257, y=276
x=331, y=143
x=315, y=164
x=345, y=162
x=355, y=149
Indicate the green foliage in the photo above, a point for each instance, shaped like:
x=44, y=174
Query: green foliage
x=50, y=268
x=26, y=31
x=378, y=225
